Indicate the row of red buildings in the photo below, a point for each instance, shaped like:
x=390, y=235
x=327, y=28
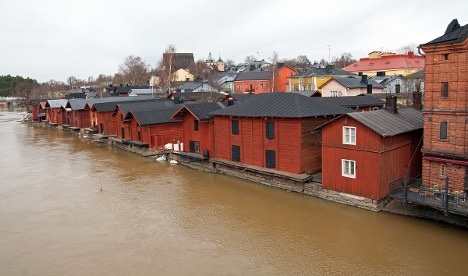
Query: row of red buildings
x=357, y=152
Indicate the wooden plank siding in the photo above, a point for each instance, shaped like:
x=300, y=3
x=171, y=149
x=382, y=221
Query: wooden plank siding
x=204, y=134
x=296, y=149
x=379, y=160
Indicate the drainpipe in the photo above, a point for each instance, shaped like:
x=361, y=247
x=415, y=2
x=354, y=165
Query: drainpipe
x=446, y=194
x=405, y=186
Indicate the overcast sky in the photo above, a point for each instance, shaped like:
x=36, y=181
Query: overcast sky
x=54, y=39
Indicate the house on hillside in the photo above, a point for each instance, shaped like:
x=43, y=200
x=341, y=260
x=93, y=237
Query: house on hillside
x=312, y=79
x=363, y=152
x=338, y=87
x=196, y=87
x=273, y=131
x=386, y=64
x=254, y=82
x=182, y=74
x=280, y=79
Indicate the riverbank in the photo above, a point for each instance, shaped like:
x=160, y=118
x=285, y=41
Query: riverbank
x=303, y=184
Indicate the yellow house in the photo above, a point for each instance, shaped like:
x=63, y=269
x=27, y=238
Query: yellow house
x=314, y=78
x=182, y=75
x=387, y=64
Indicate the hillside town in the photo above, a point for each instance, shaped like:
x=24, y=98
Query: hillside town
x=384, y=132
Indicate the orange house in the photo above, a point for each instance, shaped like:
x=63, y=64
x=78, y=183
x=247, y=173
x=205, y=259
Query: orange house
x=280, y=79
x=255, y=82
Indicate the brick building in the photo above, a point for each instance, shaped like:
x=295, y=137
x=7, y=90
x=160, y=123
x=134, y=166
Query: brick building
x=445, y=148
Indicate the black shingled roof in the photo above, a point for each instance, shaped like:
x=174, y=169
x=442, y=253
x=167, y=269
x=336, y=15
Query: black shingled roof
x=386, y=123
x=253, y=75
x=139, y=106
x=152, y=117
x=356, y=83
x=353, y=101
x=110, y=106
x=201, y=110
x=242, y=97
x=453, y=34
x=285, y=105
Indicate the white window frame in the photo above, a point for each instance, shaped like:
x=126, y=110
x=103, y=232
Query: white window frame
x=443, y=170
x=350, y=140
x=196, y=146
x=348, y=168
x=334, y=93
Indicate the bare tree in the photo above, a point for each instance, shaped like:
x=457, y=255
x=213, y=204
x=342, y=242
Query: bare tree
x=24, y=90
x=344, y=60
x=71, y=80
x=302, y=62
x=250, y=59
x=274, y=65
x=166, y=67
x=134, y=70
x=229, y=63
x=201, y=71
x=411, y=47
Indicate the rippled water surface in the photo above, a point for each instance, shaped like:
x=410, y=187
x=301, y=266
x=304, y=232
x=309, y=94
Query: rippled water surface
x=153, y=218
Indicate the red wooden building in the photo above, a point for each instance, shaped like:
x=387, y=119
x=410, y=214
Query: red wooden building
x=152, y=128
x=273, y=130
x=364, y=151
x=445, y=110
x=56, y=112
x=197, y=127
x=38, y=110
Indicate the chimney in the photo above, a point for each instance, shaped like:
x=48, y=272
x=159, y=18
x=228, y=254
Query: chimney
x=364, y=79
x=329, y=68
x=410, y=54
x=230, y=101
x=394, y=105
x=417, y=104
x=369, y=89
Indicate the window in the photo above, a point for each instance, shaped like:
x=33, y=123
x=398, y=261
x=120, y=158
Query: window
x=444, y=90
x=267, y=86
x=235, y=153
x=349, y=135
x=270, y=158
x=442, y=170
x=270, y=130
x=261, y=86
x=195, y=125
x=235, y=127
x=348, y=168
x=443, y=130
x=375, y=108
x=334, y=93
x=194, y=146
x=446, y=56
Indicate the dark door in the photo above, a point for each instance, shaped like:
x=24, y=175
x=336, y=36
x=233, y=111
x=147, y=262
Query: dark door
x=123, y=133
x=192, y=146
x=236, y=153
x=270, y=156
x=102, y=128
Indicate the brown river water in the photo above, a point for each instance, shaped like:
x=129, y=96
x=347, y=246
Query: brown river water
x=159, y=219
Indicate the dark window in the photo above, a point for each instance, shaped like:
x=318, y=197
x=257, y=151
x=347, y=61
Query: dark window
x=443, y=130
x=195, y=125
x=139, y=136
x=446, y=56
x=123, y=133
x=236, y=153
x=192, y=146
x=397, y=88
x=270, y=159
x=235, y=127
x=270, y=130
x=102, y=128
x=444, y=90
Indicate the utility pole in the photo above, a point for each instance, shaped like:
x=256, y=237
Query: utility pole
x=329, y=50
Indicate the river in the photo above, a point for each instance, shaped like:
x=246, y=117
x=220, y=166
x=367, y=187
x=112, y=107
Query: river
x=160, y=219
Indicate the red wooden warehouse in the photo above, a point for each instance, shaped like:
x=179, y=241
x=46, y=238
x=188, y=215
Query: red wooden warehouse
x=153, y=128
x=364, y=151
x=273, y=130
x=197, y=127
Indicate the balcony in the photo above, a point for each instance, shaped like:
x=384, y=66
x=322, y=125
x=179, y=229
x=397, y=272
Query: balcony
x=440, y=198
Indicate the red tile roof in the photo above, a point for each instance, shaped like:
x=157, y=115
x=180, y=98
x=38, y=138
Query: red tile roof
x=386, y=63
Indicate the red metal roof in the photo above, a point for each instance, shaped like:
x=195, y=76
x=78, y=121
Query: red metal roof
x=384, y=63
